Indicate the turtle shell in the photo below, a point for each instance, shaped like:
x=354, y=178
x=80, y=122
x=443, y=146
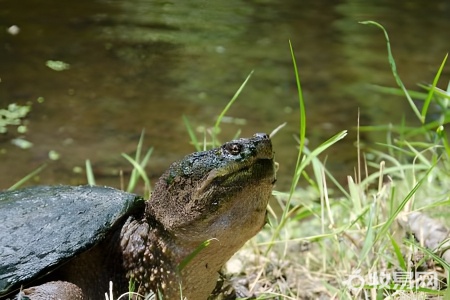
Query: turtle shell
x=42, y=227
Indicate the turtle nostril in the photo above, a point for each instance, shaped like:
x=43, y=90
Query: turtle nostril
x=261, y=135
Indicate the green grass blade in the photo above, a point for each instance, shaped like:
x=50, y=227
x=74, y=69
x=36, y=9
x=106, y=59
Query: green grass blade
x=90, y=173
x=216, y=128
x=337, y=184
x=194, y=253
x=302, y=124
x=398, y=253
x=369, y=238
x=355, y=194
x=26, y=178
x=134, y=174
x=302, y=135
x=143, y=164
x=322, y=147
x=131, y=288
x=138, y=169
x=394, y=69
x=441, y=93
x=398, y=92
x=433, y=88
x=191, y=133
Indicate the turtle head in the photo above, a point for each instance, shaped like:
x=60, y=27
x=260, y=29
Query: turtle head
x=213, y=193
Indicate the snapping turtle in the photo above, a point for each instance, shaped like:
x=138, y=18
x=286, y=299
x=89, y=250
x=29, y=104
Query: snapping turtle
x=63, y=242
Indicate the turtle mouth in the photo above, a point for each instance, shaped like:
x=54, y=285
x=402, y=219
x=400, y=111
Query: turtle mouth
x=238, y=176
x=260, y=169
x=263, y=168
x=264, y=151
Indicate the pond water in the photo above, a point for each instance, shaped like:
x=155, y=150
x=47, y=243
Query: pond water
x=143, y=64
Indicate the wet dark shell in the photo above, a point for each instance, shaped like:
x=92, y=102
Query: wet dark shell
x=42, y=227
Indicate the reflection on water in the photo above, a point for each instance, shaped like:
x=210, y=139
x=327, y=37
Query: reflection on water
x=143, y=64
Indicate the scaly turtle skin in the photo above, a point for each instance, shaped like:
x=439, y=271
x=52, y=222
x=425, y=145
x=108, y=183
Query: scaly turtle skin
x=69, y=242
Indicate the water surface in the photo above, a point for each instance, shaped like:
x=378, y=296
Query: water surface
x=143, y=64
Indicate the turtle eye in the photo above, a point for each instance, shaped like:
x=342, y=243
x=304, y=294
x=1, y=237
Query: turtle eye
x=234, y=148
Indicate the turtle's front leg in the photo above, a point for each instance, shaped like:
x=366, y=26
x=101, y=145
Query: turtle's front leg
x=53, y=290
